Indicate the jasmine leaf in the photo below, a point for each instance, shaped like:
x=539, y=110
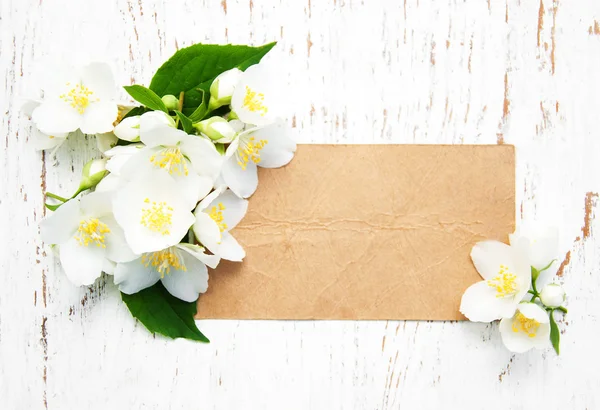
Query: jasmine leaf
x=192, y=69
x=135, y=111
x=554, y=333
x=146, y=97
x=185, y=122
x=200, y=111
x=161, y=312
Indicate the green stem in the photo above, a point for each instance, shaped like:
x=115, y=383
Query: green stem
x=60, y=198
x=562, y=309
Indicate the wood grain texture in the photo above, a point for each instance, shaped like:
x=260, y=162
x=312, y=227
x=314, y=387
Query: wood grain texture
x=426, y=71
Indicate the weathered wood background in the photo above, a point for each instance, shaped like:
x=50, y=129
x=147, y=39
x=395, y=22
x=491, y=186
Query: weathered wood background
x=523, y=72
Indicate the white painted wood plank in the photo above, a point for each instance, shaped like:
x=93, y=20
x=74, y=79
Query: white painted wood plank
x=426, y=71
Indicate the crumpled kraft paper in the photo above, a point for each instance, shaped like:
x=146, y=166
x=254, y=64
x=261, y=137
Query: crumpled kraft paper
x=366, y=232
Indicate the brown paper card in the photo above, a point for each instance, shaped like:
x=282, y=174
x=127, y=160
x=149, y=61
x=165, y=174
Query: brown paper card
x=366, y=232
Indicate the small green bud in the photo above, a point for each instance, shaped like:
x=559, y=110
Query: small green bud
x=553, y=295
x=171, y=102
x=222, y=88
x=217, y=129
x=92, y=174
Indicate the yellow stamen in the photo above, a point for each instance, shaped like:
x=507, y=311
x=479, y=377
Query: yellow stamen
x=78, y=97
x=254, y=101
x=504, y=282
x=157, y=217
x=163, y=261
x=524, y=324
x=216, y=213
x=172, y=160
x=92, y=231
x=249, y=150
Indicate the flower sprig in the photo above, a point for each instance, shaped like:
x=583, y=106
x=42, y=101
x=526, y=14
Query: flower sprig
x=510, y=291
x=157, y=210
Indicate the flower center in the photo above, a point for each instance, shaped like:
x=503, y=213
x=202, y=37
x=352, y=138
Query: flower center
x=92, y=231
x=78, y=97
x=254, y=102
x=504, y=282
x=172, y=160
x=163, y=261
x=216, y=213
x=249, y=150
x=524, y=324
x=157, y=216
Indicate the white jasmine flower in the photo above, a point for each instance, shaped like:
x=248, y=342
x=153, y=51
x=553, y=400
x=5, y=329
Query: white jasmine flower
x=507, y=278
x=152, y=211
x=191, y=162
x=222, y=87
x=553, y=295
x=181, y=268
x=81, y=100
x=88, y=236
x=268, y=147
x=541, y=246
x=528, y=328
x=225, y=209
x=129, y=129
x=255, y=99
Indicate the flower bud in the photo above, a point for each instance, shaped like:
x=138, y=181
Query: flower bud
x=92, y=174
x=128, y=129
x=171, y=102
x=217, y=129
x=222, y=88
x=553, y=295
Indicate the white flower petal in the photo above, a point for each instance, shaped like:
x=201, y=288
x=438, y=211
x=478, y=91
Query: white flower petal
x=96, y=204
x=59, y=227
x=99, y=117
x=243, y=182
x=279, y=148
x=28, y=106
x=109, y=183
x=54, y=116
x=205, y=158
x=480, y=304
x=82, y=264
x=41, y=141
x=108, y=267
x=98, y=77
x=134, y=276
x=230, y=249
x=198, y=252
x=189, y=284
x=234, y=208
x=117, y=249
x=487, y=257
x=206, y=231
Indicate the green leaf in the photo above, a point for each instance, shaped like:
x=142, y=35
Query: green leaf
x=161, y=312
x=193, y=68
x=554, y=333
x=135, y=111
x=200, y=111
x=146, y=97
x=185, y=122
x=220, y=148
x=53, y=207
